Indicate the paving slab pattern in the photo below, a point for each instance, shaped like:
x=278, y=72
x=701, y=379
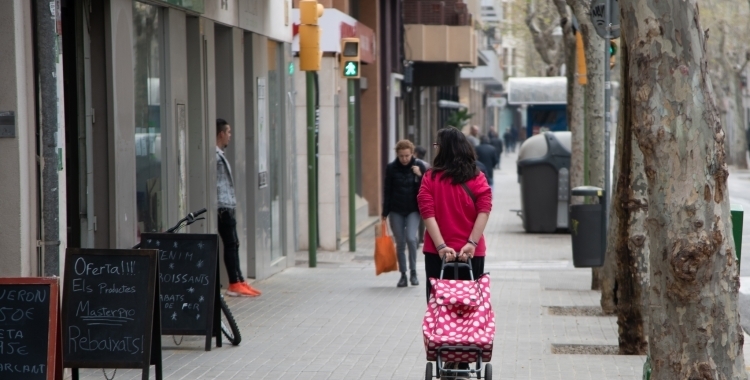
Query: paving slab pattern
x=340, y=321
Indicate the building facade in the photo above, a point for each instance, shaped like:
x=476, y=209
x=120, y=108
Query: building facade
x=332, y=100
x=137, y=87
x=143, y=85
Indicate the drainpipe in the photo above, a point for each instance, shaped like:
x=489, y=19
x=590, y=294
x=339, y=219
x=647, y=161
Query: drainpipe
x=46, y=12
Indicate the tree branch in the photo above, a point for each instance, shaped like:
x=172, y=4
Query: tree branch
x=541, y=35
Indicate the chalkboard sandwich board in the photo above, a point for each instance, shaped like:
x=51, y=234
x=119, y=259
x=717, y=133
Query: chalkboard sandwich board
x=29, y=336
x=109, y=315
x=188, y=286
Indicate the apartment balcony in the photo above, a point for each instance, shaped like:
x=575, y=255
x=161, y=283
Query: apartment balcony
x=439, y=32
x=439, y=39
x=440, y=44
x=488, y=70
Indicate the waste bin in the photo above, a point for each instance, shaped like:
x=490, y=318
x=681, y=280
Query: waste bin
x=588, y=229
x=544, y=176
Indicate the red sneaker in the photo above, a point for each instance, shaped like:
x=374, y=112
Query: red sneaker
x=239, y=290
x=251, y=289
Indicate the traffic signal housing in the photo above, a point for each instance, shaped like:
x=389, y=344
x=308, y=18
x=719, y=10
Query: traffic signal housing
x=309, y=35
x=612, y=53
x=350, y=61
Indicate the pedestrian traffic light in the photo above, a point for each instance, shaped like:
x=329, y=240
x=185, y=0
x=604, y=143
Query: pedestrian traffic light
x=309, y=35
x=612, y=53
x=350, y=58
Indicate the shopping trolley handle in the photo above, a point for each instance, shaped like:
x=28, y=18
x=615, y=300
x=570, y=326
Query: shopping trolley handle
x=456, y=264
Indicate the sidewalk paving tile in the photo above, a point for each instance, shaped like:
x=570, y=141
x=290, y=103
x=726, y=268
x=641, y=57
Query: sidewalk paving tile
x=340, y=321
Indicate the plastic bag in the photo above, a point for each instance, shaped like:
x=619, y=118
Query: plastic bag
x=385, y=252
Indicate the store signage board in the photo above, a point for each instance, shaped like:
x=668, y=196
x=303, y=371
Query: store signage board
x=29, y=329
x=188, y=273
x=110, y=316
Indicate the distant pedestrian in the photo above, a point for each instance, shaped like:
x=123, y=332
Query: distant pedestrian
x=403, y=177
x=473, y=135
x=487, y=155
x=227, y=203
x=484, y=171
x=507, y=137
x=420, y=152
x=497, y=142
x=455, y=201
x=513, y=138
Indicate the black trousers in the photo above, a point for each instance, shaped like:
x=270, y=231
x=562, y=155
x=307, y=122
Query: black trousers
x=433, y=264
x=228, y=233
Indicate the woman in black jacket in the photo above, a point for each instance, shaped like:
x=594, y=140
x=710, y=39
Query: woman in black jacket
x=403, y=177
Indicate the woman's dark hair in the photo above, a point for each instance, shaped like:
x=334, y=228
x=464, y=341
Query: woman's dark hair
x=456, y=157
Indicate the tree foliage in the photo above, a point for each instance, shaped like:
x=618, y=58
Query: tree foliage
x=460, y=118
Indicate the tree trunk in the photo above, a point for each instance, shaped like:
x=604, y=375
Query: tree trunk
x=629, y=240
x=735, y=113
x=620, y=177
x=694, y=330
x=742, y=142
x=574, y=111
x=608, y=273
x=594, y=110
x=732, y=98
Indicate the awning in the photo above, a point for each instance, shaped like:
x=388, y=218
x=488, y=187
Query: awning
x=537, y=90
x=487, y=73
x=451, y=104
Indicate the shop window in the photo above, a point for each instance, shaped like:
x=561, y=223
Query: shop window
x=275, y=90
x=147, y=51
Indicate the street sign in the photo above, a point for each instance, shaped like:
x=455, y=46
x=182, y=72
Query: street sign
x=498, y=101
x=351, y=69
x=598, y=18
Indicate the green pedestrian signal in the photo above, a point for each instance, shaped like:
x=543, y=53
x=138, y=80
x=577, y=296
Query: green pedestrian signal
x=349, y=59
x=351, y=69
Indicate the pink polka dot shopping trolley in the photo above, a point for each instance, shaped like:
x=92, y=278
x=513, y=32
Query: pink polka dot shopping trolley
x=459, y=326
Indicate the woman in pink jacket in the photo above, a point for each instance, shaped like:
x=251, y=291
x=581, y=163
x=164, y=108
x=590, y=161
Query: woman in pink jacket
x=455, y=202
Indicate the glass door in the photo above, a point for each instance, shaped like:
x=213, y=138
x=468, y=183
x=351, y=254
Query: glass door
x=147, y=51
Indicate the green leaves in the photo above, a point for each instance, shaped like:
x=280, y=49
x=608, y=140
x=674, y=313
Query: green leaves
x=459, y=118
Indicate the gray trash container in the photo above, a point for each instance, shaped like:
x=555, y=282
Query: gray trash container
x=544, y=175
x=587, y=228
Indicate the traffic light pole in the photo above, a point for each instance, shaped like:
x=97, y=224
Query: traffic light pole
x=312, y=204
x=352, y=183
x=607, y=113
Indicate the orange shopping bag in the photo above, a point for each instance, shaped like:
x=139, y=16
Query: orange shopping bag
x=385, y=252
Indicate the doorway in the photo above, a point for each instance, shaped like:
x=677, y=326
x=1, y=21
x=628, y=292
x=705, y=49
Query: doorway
x=86, y=127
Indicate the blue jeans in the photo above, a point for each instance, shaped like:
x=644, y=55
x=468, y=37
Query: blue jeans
x=405, y=232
